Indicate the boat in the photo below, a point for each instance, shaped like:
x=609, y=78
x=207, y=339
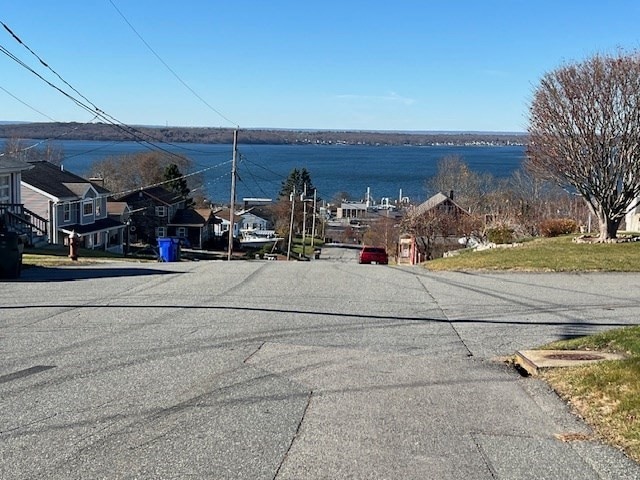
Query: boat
x=258, y=238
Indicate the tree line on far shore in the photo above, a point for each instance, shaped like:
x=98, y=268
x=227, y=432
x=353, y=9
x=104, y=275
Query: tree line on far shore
x=106, y=132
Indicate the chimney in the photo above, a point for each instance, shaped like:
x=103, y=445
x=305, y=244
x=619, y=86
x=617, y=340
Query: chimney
x=451, y=194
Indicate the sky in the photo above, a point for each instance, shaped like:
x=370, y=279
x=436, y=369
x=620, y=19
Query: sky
x=406, y=65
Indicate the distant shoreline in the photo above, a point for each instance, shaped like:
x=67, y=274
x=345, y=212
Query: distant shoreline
x=104, y=132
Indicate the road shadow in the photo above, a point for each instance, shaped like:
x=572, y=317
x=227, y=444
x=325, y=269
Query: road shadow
x=71, y=274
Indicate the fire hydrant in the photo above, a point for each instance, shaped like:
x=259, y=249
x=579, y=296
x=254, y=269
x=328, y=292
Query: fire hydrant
x=74, y=242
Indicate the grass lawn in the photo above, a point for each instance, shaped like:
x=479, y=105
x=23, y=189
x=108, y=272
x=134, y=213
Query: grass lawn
x=606, y=394
x=559, y=254
x=57, y=255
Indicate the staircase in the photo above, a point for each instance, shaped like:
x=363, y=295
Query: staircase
x=15, y=217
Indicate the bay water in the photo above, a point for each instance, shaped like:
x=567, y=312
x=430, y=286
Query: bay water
x=388, y=171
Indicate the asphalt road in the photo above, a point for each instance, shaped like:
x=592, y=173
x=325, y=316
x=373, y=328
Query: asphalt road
x=294, y=370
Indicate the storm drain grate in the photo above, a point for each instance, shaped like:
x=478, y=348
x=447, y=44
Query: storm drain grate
x=532, y=361
x=574, y=356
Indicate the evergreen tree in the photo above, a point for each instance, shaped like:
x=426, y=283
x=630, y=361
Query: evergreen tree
x=298, y=179
x=178, y=183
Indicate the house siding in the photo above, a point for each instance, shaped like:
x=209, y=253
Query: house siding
x=254, y=222
x=36, y=202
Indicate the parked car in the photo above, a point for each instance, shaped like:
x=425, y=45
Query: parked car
x=373, y=255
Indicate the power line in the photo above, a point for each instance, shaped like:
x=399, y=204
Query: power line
x=157, y=184
x=25, y=149
x=136, y=134
x=26, y=104
x=168, y=67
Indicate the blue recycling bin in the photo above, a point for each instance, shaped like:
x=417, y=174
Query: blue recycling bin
x=169, y=249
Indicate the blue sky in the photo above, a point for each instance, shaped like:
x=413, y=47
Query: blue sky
x=350, y=64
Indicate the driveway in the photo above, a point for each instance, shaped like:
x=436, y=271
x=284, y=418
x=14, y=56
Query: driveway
x=294, y=370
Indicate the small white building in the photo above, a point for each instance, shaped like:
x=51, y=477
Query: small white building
x=632, y=218
x=352, y=210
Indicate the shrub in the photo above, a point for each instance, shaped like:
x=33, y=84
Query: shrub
x=553, y=227
x=501, y=234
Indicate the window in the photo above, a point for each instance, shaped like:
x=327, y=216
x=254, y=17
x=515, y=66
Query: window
x=161, y=211
x=87, y=207
x=161, y=232
x=98, y=209
x=5, y=189
x=181, y=231
x=66, y=212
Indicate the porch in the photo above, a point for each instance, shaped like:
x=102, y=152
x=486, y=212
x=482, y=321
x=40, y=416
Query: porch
x=17, y=218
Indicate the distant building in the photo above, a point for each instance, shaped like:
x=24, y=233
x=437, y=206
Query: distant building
x=352, y=210
x=255, y=202
x=440, y=217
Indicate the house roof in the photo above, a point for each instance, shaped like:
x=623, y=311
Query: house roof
x=9, y=164
x=117, y=208
x=55, y=181
x=98, y=226
x=225, y=214
x=438, y=199
x=157, y=193
x=80, y=189
x=353, y=205
x=193, y=217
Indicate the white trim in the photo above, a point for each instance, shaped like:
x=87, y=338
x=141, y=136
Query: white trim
x=9, y=187
x=88, y=202
x=66, y=204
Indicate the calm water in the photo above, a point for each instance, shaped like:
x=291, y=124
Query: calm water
x=333, y=168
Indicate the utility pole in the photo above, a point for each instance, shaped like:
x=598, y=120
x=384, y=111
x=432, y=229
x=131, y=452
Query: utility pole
x=313, y=227
x=292, y=197
x=303, y=198
x=232, y=208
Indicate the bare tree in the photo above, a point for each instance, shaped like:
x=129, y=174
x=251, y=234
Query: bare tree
x=470, y=188
x=585, y=134
x=41, y=151
x=384, y=232
x=129, y=172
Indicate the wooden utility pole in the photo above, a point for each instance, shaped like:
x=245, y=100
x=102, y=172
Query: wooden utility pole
x=303, y=198
x=232, y=208
x=292, y=198
x=313, y=227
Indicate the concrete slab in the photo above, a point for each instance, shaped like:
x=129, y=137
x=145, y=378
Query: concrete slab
x=535, y=360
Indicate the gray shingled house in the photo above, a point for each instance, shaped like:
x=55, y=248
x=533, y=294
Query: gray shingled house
x=71, y=203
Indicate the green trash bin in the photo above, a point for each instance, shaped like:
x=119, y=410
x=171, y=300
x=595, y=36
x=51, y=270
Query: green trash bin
x=11, y=249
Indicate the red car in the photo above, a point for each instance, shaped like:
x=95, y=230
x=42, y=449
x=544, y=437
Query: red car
x=373, y=255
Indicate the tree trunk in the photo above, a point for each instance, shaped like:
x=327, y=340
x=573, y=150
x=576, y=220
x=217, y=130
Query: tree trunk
x=608, y=227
